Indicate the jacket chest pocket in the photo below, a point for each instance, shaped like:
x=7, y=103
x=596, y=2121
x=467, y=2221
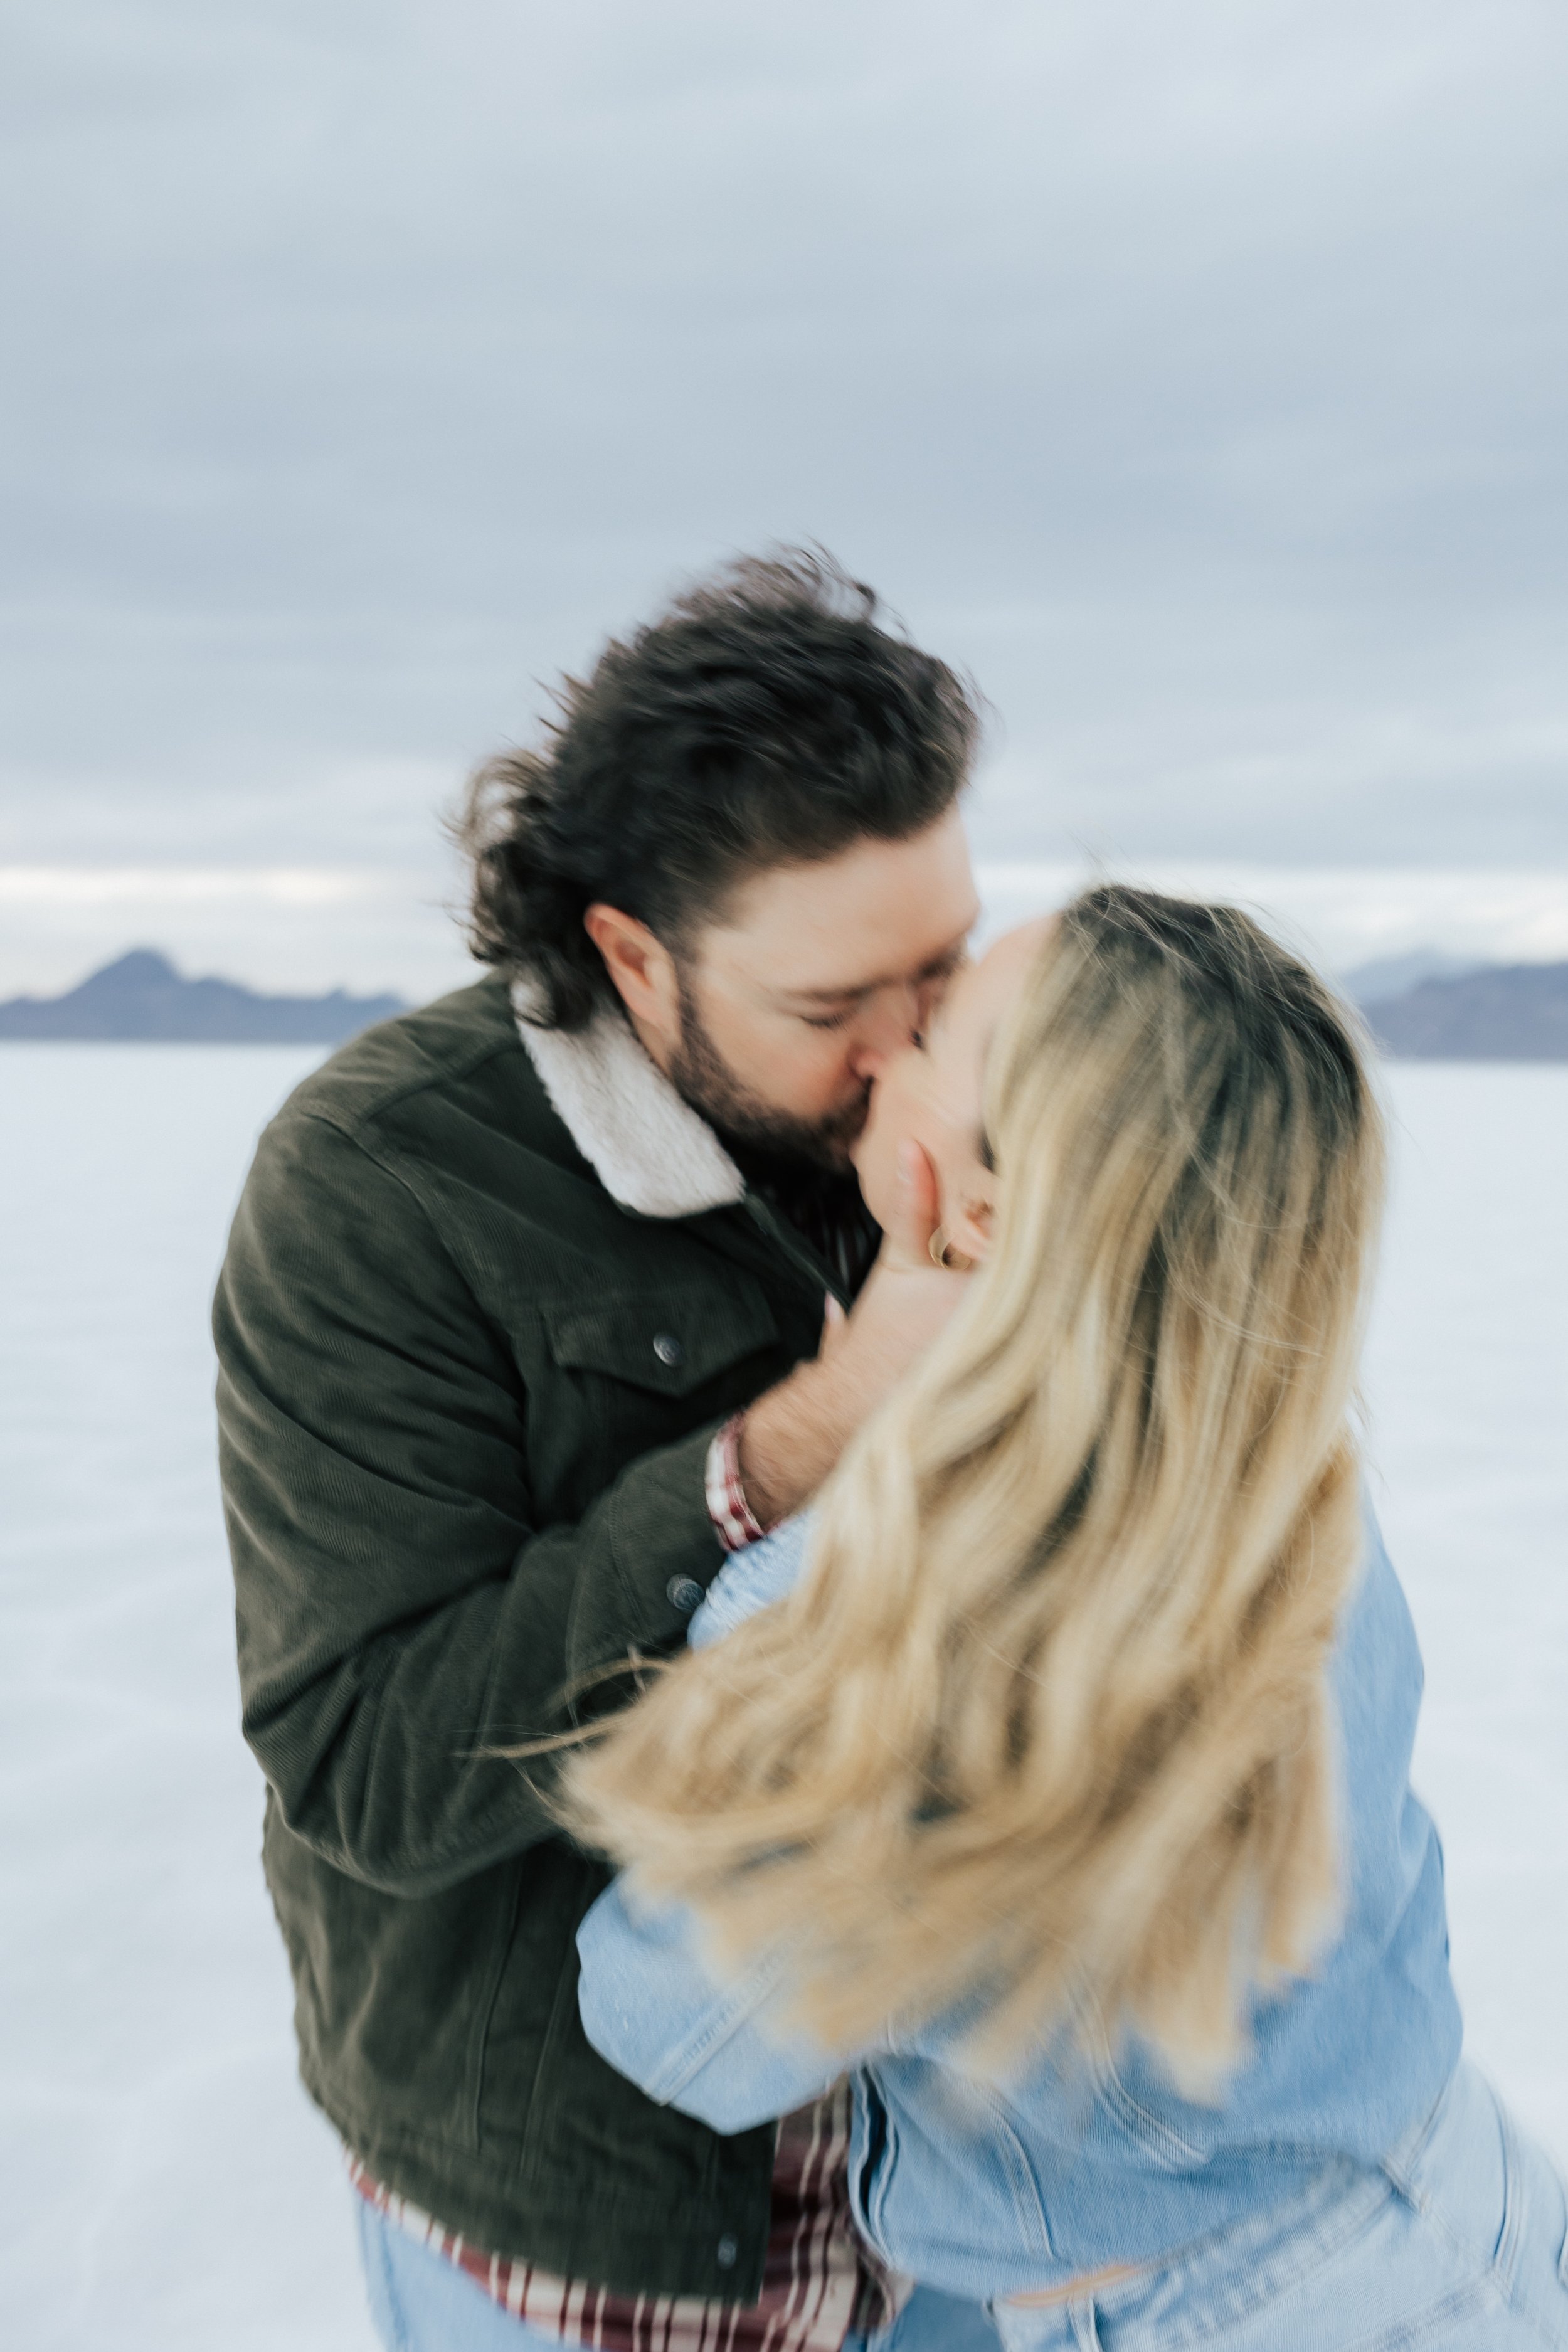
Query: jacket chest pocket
x=637, y=1370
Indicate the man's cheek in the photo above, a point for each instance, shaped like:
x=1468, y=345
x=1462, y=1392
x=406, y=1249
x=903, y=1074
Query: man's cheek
x=812, y=1069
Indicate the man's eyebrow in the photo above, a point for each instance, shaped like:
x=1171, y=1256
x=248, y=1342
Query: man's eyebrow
x=852, y=992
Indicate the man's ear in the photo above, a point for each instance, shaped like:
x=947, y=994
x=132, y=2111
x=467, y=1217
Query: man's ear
x=643, y=971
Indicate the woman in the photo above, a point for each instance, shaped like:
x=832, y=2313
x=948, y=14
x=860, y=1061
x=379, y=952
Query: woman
x=1058, y=1783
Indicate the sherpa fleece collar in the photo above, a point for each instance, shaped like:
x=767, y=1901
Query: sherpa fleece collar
x=650, y=1151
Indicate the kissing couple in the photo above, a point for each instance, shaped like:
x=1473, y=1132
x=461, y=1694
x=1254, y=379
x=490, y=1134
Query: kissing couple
x=836, y=1721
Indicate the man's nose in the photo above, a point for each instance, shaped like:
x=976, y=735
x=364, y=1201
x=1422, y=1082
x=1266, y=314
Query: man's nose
x=889, y=1026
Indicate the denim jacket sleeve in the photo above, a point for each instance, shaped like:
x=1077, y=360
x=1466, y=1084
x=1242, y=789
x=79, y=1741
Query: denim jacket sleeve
x=711, y=2048
x=751, y=1580
x=648, y=2002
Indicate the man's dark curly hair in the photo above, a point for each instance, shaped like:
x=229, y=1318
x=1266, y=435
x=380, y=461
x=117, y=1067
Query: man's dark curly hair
x=766, y=718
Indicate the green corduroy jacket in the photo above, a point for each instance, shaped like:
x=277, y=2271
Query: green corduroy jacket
x=460, y=1479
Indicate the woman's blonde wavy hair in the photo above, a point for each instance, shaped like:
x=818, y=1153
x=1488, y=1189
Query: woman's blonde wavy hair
x=1046, y=1719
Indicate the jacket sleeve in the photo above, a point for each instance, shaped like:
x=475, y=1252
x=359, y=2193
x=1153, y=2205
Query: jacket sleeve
x=399, y=1615
x=718, y=2051
x=647, y=2001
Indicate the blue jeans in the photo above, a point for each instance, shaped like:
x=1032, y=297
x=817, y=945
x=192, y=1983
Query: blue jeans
x=1458, y=2244
x=421, y=2302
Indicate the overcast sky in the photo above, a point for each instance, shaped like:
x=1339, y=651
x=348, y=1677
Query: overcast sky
x=1196, y=375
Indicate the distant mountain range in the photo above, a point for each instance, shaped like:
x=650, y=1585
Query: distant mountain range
x=141, y=997
x=1498, y=1013
x=1396, y=975
x=1423, y=1006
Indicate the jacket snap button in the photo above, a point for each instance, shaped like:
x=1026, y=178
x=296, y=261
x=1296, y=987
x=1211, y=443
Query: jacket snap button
x=684, y=1592
x=668, y=1350
x=726, y=2253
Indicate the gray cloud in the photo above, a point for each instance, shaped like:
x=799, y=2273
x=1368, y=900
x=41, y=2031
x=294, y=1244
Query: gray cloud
x=1195, y=376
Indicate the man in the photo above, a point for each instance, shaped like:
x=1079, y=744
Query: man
x=517, y=1332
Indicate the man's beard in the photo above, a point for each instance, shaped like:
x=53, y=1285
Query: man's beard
x=705, y=1079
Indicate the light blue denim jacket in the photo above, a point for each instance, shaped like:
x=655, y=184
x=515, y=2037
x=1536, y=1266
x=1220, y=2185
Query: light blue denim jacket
x=992, y=2189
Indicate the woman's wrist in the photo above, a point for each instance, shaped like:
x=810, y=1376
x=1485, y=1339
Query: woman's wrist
x=790, y=1439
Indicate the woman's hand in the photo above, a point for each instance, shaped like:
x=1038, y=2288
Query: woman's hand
x=792, y=1437
x=905, y=1303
